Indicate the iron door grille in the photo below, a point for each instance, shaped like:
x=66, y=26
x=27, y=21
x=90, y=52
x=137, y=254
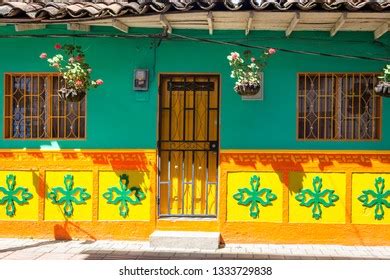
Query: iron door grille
x=188, y=146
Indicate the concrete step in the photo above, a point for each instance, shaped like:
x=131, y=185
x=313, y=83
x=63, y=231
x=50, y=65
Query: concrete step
x=185, y=239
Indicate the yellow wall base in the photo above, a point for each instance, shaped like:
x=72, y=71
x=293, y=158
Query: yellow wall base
x=284, y=220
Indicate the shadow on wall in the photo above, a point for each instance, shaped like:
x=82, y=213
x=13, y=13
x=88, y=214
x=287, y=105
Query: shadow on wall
x=117, y=160
x=136, y=179
x=293, y=162
x=62, y=232
x=136, y=161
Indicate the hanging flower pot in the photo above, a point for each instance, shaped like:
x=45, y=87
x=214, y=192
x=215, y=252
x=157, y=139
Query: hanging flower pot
x=383, y=86
x=75, y=72
x=382, y=89
x=71, y=94
x=247, y=71
x=247, y=89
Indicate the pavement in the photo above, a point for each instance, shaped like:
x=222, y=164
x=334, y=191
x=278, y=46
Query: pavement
x=39, y=249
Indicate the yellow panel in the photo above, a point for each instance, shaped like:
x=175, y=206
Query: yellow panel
x=212, y=198
x=176, y=182
x=270, y=180
x=110, y=212
x=26, y=179
x=55, y=212
x=360, y=213
x=302, y=214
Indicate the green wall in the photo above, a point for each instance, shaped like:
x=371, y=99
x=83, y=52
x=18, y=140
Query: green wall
x=118, y=117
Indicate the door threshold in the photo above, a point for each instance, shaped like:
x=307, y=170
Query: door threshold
x=188, y=219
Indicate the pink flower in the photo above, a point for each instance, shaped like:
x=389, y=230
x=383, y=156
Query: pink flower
x=71, y=60
x=271, y=51
x=89, y=70
x=55, y=64
x=99, y=82
x=234, y=56
x=57, y=46
x=253, y=59
x=43, y=56
x=79, y=83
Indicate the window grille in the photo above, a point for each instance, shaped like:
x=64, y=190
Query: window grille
x=33, y=109
x=338, y=106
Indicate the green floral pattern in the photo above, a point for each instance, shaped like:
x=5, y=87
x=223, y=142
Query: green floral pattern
x=316, y=198
x=124, y=195
x=370, y=198
x=68, y=195
x=254, y=197
x=12, y=195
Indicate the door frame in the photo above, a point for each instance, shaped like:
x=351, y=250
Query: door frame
x=158, y=116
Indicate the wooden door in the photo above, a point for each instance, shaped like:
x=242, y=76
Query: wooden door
x=188, y=145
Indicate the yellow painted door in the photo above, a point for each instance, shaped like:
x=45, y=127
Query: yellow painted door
x=188, y=145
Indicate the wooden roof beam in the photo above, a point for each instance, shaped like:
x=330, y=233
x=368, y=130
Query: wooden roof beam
x=339, y=23
x=210, y=22
x=28, y=26
x=293, y=24
x=381, y=30
x=249, y=23
x=78, y=27
x=165, y=23
x=120, y=25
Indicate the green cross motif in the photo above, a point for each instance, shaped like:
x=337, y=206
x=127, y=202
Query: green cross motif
x=254, y=197
x=369, y=198
x=122, y=195
x=308, y=198
x=68, y=195
x=20, y=195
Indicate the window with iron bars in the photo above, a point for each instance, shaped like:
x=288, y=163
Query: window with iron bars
x=338, y=106
x=33, y=109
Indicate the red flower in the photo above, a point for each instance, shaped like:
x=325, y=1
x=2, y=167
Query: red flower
x=57, y=46
x=271, y=51
x=78, y=58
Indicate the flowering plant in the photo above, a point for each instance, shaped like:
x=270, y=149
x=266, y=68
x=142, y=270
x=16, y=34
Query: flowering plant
x=247, y=70
x=74, y=70
x=386, y=74
x=383, y=86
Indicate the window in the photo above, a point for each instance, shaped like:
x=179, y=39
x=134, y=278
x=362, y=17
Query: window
x=33, y=109
x=339, y=106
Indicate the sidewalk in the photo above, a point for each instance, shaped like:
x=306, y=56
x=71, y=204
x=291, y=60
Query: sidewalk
x=31, y=249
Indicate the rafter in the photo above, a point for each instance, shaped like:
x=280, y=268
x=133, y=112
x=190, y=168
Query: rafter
x=210, y=22
x=78, y=27
x=381, y=30
x=249, y=23
x=120, y=25
x=293, y=24
x=165, y=23
x=339, y=23
x=27, y=26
